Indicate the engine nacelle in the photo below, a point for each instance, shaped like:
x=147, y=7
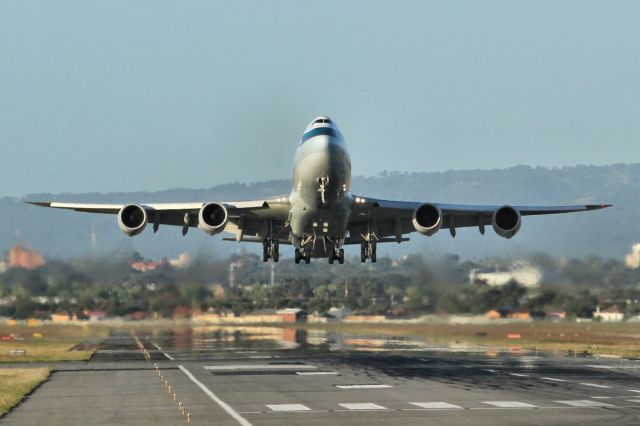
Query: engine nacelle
x=427, y=219
x=506, y=221
x=213, y=218
x=132, y=219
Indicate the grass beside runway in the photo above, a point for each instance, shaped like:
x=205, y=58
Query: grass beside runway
x=15, y=383
x=49, y=342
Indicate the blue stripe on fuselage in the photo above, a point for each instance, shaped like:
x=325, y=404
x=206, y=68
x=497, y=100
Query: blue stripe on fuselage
x=321, y=131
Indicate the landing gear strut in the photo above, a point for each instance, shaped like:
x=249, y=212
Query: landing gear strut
x=368, y=251
x=337, y=254
x=270, y=250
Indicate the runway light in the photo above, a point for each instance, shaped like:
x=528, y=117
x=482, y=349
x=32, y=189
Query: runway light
x=188, y=417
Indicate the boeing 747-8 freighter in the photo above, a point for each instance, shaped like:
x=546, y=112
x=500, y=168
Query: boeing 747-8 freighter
x=321, y=214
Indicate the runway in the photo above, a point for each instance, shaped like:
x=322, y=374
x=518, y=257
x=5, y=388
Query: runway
x=273, y=376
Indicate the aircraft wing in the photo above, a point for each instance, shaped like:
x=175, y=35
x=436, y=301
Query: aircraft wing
x=387, y=218
x=251, y=218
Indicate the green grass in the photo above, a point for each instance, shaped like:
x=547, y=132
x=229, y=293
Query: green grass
x=15, y=383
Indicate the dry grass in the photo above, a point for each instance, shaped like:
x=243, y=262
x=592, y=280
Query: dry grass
x=15, y=383
x=57, y=343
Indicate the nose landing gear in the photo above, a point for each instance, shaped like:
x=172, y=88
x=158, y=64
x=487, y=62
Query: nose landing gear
x=368, y=251
x=270, y=250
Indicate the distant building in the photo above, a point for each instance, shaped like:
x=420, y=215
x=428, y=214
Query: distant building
x=145, y=266
x=61, y=317
x=19, y=257
x=339, y=313
x=610, y=314
x=555, y=315
x=95, y=314
x=520, y=314
x=493, y=314
x=292, y=314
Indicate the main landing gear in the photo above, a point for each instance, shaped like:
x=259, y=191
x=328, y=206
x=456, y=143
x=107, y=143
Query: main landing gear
x=270, y=250
x=338, y=254
x=368, y=251
x=303, y=254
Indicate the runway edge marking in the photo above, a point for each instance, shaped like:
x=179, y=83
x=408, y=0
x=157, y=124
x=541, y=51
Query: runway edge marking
x=226, y=407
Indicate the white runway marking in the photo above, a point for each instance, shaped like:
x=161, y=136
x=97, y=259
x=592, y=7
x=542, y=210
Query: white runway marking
x=585, y=403
x=363, y=406
x=260, y=357
x=518, y=374
x=316, y=373
x=288, y=407
x=163, y=353
x=634, y=400
x=234, y=367
x=595, y=385
x=489, y=370
x=601, y=397
x=509, y=404
x=436, y=405
x=363, y=386
x=553, y=379
x=634, y=390
x=226, y=407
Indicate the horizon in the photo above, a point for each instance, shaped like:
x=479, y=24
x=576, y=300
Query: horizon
x=380, y=174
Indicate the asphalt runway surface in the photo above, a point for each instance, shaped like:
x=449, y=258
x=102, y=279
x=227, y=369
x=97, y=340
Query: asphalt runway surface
x=273, y=376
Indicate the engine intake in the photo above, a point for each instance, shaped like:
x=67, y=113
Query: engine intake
x=132, y=219
x=212, y=218
x=427, y=219
x=506, y=221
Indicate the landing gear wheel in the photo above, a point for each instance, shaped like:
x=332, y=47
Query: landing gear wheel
x=372, y=254
x=298, y=256
x=331, y=259
x=341, y=256
x=265, y=250
x=275, y=251
x=307, y=256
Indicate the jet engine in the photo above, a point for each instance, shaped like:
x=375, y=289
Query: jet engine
x=427, y=219
x=213, y=218
x=506, y=221
x=132, y=219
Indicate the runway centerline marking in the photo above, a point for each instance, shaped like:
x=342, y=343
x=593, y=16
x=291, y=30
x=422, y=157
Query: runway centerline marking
x=317, y=373
x=509, y=404
x=595, y=385
x=437, y=405
x=553, y=379
x=363, y=386
x=163, y=353
x=633, y=400
x=226, y=407
x=288, y=407
x=362, y=406
x=634, y=390
x=585, y=403
x=518, y=374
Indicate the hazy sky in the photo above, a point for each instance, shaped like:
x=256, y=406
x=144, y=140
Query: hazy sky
x=146, y=95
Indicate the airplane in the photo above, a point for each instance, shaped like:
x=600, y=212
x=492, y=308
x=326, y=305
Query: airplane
x=321, y=215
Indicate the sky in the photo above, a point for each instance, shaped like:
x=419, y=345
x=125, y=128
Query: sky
x=99, y=96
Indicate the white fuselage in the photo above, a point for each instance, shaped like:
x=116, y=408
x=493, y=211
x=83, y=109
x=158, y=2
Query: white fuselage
x=320, y=198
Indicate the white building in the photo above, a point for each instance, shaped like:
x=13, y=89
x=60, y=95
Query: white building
x=610, y=314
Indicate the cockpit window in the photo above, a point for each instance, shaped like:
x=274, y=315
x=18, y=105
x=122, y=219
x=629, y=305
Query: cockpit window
x=322, y=120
